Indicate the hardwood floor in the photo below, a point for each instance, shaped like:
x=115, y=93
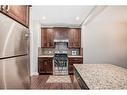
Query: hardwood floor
x=39, y=82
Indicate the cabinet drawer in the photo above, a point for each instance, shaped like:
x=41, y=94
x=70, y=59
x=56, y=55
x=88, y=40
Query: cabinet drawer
x=75, y=60
x=72, y=61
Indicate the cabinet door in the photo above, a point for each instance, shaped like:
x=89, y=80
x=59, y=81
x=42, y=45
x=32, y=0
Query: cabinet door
x=18, y=12
x=47, y=38
x=45, y=65
x=43, y=38
x=74, y=36
x=61, y=33
x=49, y=68
x=41, y=66
x=50, y=38
x=77, y=38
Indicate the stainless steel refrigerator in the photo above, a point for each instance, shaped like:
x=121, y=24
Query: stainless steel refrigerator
x=14, y=54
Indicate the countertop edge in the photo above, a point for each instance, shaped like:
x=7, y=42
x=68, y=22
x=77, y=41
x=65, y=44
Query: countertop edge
x=68, y=56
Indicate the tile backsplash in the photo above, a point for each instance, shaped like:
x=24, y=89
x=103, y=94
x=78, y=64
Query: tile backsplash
x=59, y=46
x=46, y=51
x=70, y=51
x=51, y=51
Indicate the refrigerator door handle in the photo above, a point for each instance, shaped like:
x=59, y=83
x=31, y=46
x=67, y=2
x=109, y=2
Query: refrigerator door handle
x=26, y=35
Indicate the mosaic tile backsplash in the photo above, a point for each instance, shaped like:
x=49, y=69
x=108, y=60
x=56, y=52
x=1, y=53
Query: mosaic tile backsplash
x=59, y=46
x=51, y=51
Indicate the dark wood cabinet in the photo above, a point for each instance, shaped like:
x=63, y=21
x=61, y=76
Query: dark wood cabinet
x=20, y=13
x=74, y=60
x=49, y=34
x=74, y=36
x=61, y=33
x=47, y=38
x=45, y=65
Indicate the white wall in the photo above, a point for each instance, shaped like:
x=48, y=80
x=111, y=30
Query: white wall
x=34, y=44
x=105, y=37
x=83, y=41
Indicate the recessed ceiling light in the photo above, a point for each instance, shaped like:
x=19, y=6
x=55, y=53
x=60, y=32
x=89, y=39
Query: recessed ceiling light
x=77, y=18
x=43, y=17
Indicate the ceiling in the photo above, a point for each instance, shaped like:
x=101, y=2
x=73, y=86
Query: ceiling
x=61, y=15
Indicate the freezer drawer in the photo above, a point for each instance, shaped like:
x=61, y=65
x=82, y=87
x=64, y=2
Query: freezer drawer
x=14, y=73
x=13, y=38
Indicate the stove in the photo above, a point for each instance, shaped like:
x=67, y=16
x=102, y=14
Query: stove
x=60, y=64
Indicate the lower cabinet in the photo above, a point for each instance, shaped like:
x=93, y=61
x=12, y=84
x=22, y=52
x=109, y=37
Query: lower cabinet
x=74, y=60
x=45, y=65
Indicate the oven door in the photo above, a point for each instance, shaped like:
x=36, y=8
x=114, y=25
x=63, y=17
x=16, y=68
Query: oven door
x=60, y=65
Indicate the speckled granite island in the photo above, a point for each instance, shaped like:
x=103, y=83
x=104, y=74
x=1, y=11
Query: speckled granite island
x=102, y=76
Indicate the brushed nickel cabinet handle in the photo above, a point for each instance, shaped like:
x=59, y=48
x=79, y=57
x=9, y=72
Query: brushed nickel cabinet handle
x=2, y=7
x=7, y=8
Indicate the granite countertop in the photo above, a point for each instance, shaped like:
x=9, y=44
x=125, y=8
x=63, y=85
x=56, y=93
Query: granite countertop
x=103, y=76
x=53, y=56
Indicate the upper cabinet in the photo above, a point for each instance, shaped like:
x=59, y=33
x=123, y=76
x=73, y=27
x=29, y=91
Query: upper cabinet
x=74, y=36
x=20, y=13
x=47, y=38
x=61, y=33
